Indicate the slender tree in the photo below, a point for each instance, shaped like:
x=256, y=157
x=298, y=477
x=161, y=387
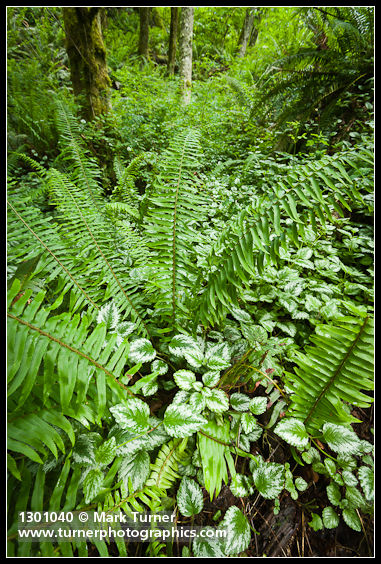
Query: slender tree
x=185, y=48
x=247, y=28
x=144, y=15
x=87, y=59
x=173, y=40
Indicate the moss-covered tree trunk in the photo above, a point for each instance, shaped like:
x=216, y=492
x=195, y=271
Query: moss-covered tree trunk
x=144, y=15
x=173, y=40
x=185, y=48
x=87, y=59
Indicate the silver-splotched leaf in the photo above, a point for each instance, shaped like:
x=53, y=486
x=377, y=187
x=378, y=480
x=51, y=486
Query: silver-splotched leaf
x=293, y=432
x=135, y=467
x=217, y=401
x=106, y=452
x=150, y=388
x=269, y=479
x=241, y=485
x=84, y=448
x=185, y=346
x=130, y=442
x=189, y=497
x=109, y=315
x=207, y=547
x=211, y=378
x=132, y=416
x=159, y=366
x=181, y=397
x=254, y=333
x=341, y=439
x=125, y=328
x=218, y=356
x=240, y=314
x=248, y=422
x=92, y=484
x=197, y=401
x=141, y=350
x=366, y=477
x=184, y=379
x=237, y=529
x=258, y=405
x=240, y=402
x=181, y=421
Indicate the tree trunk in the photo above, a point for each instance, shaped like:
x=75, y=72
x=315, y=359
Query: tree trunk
x=185, y=47
x=246, y=32
x=87, y=59
x=173, y=40
x=144, y=14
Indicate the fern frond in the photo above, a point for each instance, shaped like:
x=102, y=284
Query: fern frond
x=164, y=471
x=57, y=363
x=337, y=369
x=173, y=206
x=308, y=194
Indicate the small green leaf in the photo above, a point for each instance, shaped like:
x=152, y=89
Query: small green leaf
x=106, y=453
x=333, y=493
x=92, y=484
x=237, y=529
x=132, y=416
x=258, y=405
x=141, y=350
x=184, y=379
x=341, y=439
x=293, y=432
x=330, y=518
x=189, y=497
x=352, y=519
x=316, y=522
x=301, y=484
x=181, y=421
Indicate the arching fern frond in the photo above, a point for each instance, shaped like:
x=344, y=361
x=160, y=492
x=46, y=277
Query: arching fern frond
x=309, y=195
x=337, y=369
x=58, y=360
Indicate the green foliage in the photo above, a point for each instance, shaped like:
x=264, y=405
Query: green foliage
x=183, y=295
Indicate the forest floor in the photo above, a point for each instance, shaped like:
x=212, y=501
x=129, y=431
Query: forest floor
x=288, y=534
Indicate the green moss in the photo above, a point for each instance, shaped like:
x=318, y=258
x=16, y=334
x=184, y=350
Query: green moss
x=87, y=56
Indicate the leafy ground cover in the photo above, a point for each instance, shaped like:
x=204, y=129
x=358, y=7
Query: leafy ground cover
x=190, y=288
